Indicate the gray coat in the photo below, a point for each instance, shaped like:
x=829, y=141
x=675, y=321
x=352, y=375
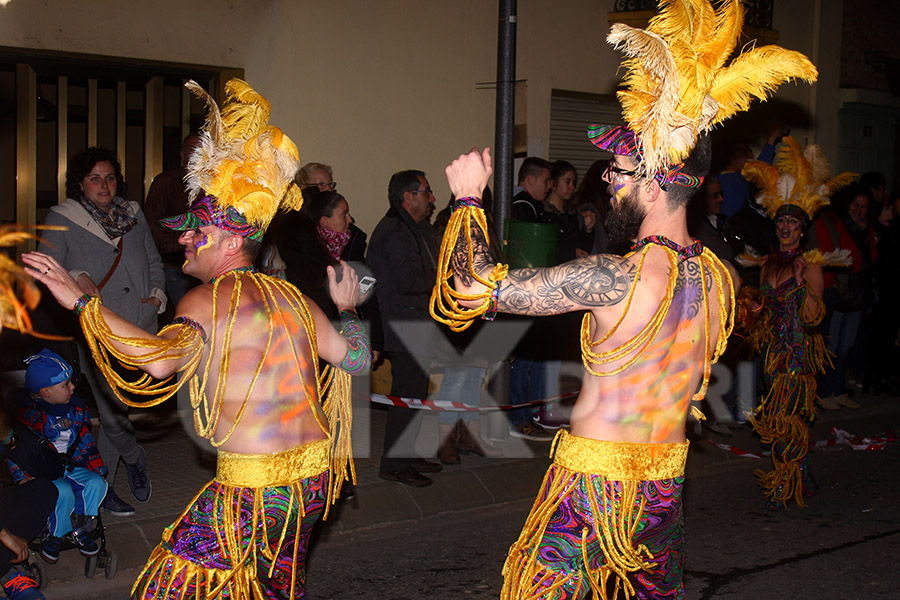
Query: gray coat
x=85, y=247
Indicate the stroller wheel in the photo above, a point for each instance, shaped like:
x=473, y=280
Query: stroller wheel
x=90, y=566
x=112, y=563
x=36, y=571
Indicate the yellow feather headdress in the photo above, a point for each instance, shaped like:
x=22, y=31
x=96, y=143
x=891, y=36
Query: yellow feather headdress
x=677, y=85
x=245, y=164
x=800, y=178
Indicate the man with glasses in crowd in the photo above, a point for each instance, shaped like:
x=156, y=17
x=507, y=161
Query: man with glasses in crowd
x=403, y=254
x=316, y=175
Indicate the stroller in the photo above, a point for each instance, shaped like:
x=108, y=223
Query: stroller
x=41, y=460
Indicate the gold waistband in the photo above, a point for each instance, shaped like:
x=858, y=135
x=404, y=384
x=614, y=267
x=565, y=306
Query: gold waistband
x=270, y=470
x=620, y=461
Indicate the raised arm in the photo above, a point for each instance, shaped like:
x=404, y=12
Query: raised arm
x=48, y=271
x=582, y=284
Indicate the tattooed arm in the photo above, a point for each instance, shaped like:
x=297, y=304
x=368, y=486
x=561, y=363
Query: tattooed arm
x=581, y=284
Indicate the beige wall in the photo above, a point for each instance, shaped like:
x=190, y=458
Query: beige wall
x=368, y=86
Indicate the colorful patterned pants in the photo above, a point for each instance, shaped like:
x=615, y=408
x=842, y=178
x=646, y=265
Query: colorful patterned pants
x=237, y=543
x=577, y=536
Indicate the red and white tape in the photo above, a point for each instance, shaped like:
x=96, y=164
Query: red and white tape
x=858, y=442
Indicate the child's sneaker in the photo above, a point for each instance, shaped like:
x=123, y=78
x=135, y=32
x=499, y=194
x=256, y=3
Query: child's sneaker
x=87, y=545
x=20, y=587
x=50, y=548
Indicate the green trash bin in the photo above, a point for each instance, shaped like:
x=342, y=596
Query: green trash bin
x=531, y=244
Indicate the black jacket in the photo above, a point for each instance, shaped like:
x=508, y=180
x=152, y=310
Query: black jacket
x=403, y=258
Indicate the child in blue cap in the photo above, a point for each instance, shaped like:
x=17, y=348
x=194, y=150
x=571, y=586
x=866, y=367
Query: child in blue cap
x=48, y=407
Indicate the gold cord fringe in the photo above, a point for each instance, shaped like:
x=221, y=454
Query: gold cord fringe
x=789, y=405
x=332, y=385
x=617, y=514
x=444, y=304
x=636, y=346
x=238, y=583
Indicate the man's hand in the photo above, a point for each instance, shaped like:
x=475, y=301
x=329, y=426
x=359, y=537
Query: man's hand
x=45, y=269
x=468, y=175
x=87, y=285
x=17, y=545
x=344, y=294
x=154, y=301
x=590, y=220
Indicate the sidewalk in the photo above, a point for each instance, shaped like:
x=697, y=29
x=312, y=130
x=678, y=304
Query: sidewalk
x=179, y=467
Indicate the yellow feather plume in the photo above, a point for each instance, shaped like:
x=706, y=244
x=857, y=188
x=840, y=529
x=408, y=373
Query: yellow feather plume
x=242, y=160
x=245, y=112
x=757, y=74
x=676, y=86
x=799, y=177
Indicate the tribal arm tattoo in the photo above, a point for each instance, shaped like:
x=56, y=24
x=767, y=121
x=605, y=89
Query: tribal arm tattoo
x=584, y=283
x=481, y=261
x=590, y=282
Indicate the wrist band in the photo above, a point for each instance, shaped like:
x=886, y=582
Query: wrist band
x=491, y=312
x=472, y=201
x=191, y=323
x=81, y=303
x=8, y=438
x=359, y=357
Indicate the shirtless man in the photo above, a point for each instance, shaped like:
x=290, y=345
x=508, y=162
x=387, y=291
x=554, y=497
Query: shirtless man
x=611, y=502
x=249, y=346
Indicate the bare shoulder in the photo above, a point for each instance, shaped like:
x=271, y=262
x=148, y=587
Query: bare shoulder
x=197, y=303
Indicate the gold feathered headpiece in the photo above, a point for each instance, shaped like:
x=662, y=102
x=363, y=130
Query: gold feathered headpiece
x=799, y=179
x=244, y=164
x=677, y=85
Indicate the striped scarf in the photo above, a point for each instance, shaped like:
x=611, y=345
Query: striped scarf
x=117, y=222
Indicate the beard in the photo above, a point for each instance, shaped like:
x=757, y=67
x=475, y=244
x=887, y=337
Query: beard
x=623, y=223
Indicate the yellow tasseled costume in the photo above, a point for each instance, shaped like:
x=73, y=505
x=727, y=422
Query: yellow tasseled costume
x=677, y=87
x=618, y=469
x=258, y=471
x=248, y=165
x=332, y=385
x=794, y=353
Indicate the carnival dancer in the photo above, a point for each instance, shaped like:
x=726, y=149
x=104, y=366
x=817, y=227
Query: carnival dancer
x=791, y=287
x=248, y=345
x=608, y=517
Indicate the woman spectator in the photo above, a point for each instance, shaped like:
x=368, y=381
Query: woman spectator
x=592, y=196
x=848, y=330
x=321, y=234
x=107, y=247
x=576, y=231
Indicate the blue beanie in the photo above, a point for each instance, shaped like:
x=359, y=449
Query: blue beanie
x=46, y=368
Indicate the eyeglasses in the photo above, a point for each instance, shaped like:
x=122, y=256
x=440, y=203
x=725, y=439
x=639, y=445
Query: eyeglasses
x=616, y=171
x=323, y=186
x=427, y=191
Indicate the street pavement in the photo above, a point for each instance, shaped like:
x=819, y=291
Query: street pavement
x=391, y=541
